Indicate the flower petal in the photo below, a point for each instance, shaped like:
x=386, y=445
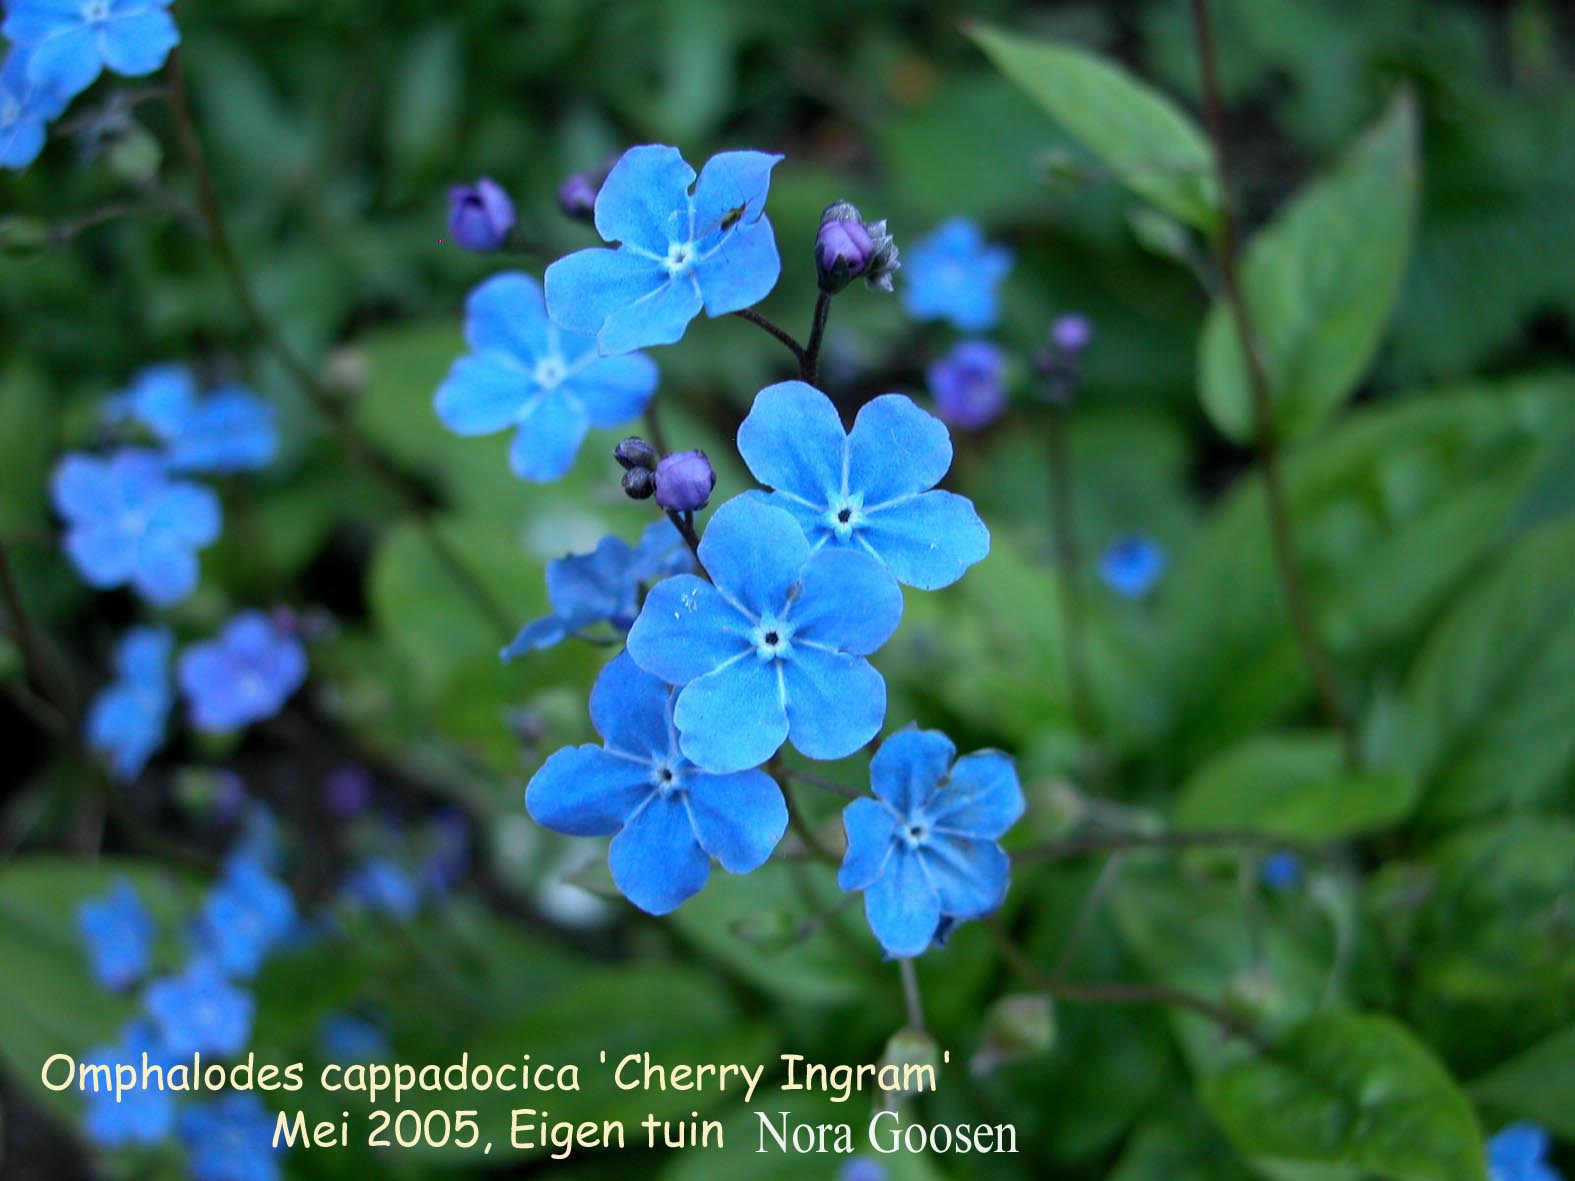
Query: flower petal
x=970, y=876
x=586, y=287
x=630, y=710
x=793, y=441
x=733, y=186
x=136, y=43
x=870, y=829
x=103, y=555
x=585, y=791
x=732, y=719
x=896, y=449
x=928, y=541
x=741, y=270
x=658, y=317
x=902, y=906
x=982, y=799
x=686, y=630
x=167, y=571
x=552, y=427
x=615, y=389
x=835, y=703
x=482, y=395
x=754, y=553
x=508, y=314
x=847, y=601
x=187, y=514
x=656, y=860
x=82, y=489
x=909, y=766
x=67, y=59
x=535, y=636
x=738, y=818
x=645, y=199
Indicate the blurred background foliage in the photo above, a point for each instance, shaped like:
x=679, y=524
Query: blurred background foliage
x=1434, y=517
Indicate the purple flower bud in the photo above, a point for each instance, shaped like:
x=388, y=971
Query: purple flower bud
x=684, y=481
x=639, y=483
x=635, y=452
x=577, y=196
x=846, y=247
x=480, y=216
x=1072, y=333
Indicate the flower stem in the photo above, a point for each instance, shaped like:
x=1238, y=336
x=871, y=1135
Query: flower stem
x=323, y=401
x=1319, y=669
x=912, y=998
x=811, y=780
x=782, y=334
x=53, y=689
x=809, y=361
x=1063, y=528
x=685, y=524
x=1074, y=847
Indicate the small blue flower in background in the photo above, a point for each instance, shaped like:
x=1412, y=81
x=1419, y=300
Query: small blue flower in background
x=678, y=251
x=952, y=275
x=868, y=489
x=230, y=1139
x=230, y=430
x=380, y=884
x=244, y=676
x=1131, y=566
x=1281, y=871
x=969, y=384
x=245, y=916
x=480, y=216
x=862, y=1168
x=25, y=108
x=119, y=933
x=603, y=587
x=140, y=1116
x=71, y=41
x=345, y=1038
x=200, y=1011
x=773, y=648
x=446, y=860
x=128, y=523
x=1519, y=1152
x=671, y=818
x=347, y=791
x=546, y=382
x=126, y=720
x=927, y=846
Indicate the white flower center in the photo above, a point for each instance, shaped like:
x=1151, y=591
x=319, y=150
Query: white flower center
x=550, y=371
x=666, y=778
x=680, y=256
x=772, y=639
x=96, y=12
x=844, y=515
x=914, y=832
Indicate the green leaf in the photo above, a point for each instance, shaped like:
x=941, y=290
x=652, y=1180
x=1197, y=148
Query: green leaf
x=1488, y=714
x=1293, y=785
x=1350, y=1089
x=427, y=98
x=1320, y=282
x=1536, y=1085
x=1143, y=137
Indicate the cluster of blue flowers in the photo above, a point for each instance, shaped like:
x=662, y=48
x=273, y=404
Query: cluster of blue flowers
x=760, y=637
x=59, y=48
x=1519, y=1152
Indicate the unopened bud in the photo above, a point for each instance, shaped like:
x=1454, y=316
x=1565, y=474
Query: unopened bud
x=847, y=247
x=577, y=196
x=684, y=481
x=635, y=452
x=639, y=483
x=480, y=216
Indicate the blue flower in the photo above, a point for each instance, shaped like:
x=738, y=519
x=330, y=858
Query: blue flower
x=952, y=275
x=1519, y=1153
x=200, y=1012
x=669, y=816
x=1281, y=871
x=245, y=916
x=867, y=489
x=381, y=885
x=25, y=108
x=140, y=1115
x=119, y=933
x=72, y=41
x=603, y=586
x=230, y=1139
x=678, y=251
x=774, y=650
x=345, y=1038
x=927, y=846
x=969, y=384
x=244, y=676
x=126, y=720
x=862, y=1168
x=129, y=523
x=230, y=430
x=1131, y=566
x=545, y=381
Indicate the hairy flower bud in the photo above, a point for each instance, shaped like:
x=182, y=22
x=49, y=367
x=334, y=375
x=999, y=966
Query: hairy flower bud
x=635, y=452
x=480, y=216
x=639, y=483
x=684, y=481
x=577, y=196
x=846, y=248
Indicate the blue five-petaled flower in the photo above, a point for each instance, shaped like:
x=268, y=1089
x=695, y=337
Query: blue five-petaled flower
x=773, y=647
x=126, y=720
x=71, y=41
x=119, y=933
x=244, y=675
x=868, y=489
x=247, y=914
x=229, y=430
x=200, y=1011
x=671, y=818
x=603, y=587
x=952, y=275
x=678, y=251
x=230, y=1139
x=1519, y=1153
x=140, y=1115
x=545, y=381
x=25, y=108
x=129, y=523
x=1131, y=566
x=926, y=847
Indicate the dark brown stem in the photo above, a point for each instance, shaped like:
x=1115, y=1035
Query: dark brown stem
x=685, y=524
x=1319, y=670
x=1063, y=528
x=810, y=780
x=52, y=688
x=806, y=831
x=782, y=334
x=1074, y=847
x=332, y=411
x=809, y=361
x=653, y=428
